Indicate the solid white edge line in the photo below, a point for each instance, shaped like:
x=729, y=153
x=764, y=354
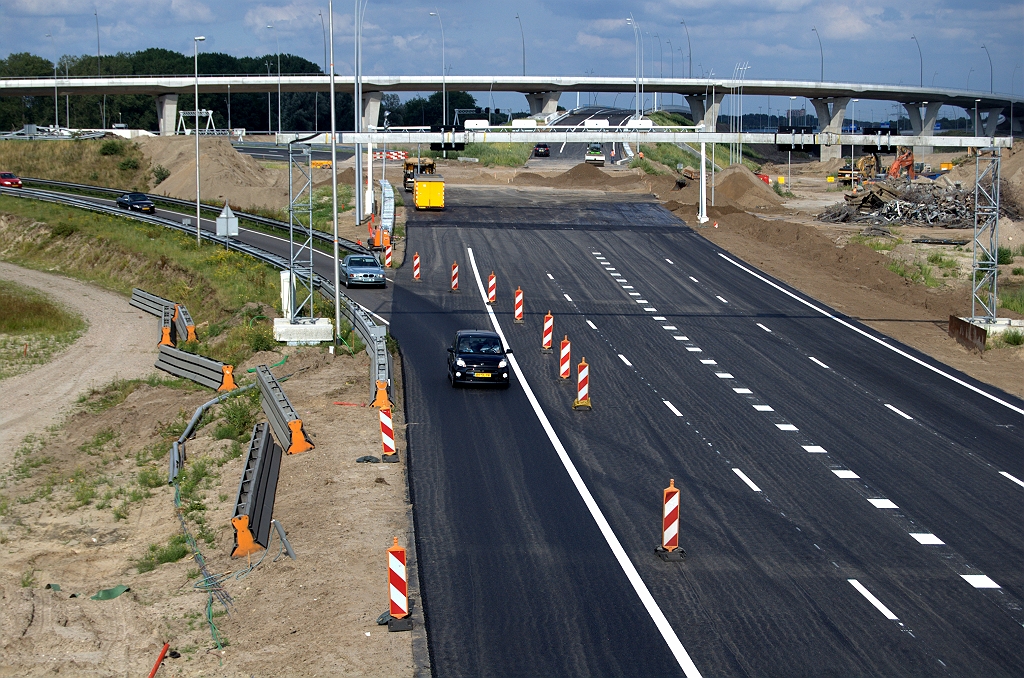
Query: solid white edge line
x=651, y=605
x=874, y=601
x=373, y=314
x=1012, y=478
x=894, y=349
x=899, y=412
x=748, y=481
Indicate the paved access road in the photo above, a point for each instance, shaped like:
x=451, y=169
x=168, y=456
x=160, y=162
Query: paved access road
x=849, y=507
x=568, y=155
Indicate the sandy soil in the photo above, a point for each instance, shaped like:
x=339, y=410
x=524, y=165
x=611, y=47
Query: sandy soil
x=119, y=343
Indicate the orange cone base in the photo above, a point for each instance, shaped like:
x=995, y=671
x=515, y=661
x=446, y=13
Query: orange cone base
x=228, y=380
x=191, y=333
x=165, y=337
x=299, y=441
x=518, y=322
x=403, y=624
x=381, y=402
x=579, y=404
x=245, y=545
x=676, y=555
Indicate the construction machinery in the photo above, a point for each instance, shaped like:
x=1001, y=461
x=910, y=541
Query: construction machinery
x=414, y=166
x=904, y=160
x=428, y=191
x=594, y=155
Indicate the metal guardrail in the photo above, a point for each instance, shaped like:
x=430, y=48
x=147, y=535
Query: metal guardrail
x=200, y=369
x=166, y=327
x=184, y=326
x=183, y=323
x=257, y=489
x=150, y=303
x=280, y=413
x=373, y=336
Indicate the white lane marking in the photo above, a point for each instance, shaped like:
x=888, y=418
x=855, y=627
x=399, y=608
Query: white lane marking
x=708, y=361
x=742, y=391
x=980, y=581
x=595, y=253
x=721, y=299
x=592, y=325
x=567, y=298
x=669, y=327
x=818, y=362
x=748, y=481
x=623, y=358
x=693, y=349
x=374, y=314
x=786, y=427
x=673, y=408
x=651, y=605
x=641, y=301
x=814, y=449
x=627, y=287
x=845, y=474
x=764, y=408
x=899, y=412
x=894, y=349
x=1012, y=478
x=609, y=269
x=616, y=275
x=651, y=309
x=763, y=327
x=679, y=337
x=883, y=504
x=927, y=539
x=659, y=317
x=669, y=261
x=694, y=279
x=874, y=601
x=550, y=277
x=723, y=375
x=634, y=294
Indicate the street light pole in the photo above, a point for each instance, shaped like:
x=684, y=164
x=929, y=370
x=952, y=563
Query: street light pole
x=991, y=81
x=672, y=68
x=56, y=115
x=822, y=52
x=914, y=38
x=444, y=94
x=316, y=95
x=278, y=42
x=103, y=111
x=661, y=67
x=636, y=66
x=524, y=41
x=270, y=124
x=688, y=48
x=334, y=183
x=195, y=54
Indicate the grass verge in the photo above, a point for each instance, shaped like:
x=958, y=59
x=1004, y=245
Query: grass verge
x=33, y=328
x=100, y=162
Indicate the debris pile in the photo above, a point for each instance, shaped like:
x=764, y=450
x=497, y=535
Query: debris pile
x=931, y=204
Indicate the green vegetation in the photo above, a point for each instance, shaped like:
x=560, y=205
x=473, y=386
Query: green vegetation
x=1019, y=270
x=1004, y=256
x=918, y=273
x=33, y=328
x=781, y=191
x=877, y=244
x=160, y=173
x=113, y=147
x=1013, y=337
x=111, y=162
x=28, y=579
x=176, y=549
x=646, y=165
x=666, y=119
x=489, y=155
x=239, y=416
x=1012, y=298
x=947, y=265
x=114, y=393
x=669, y=155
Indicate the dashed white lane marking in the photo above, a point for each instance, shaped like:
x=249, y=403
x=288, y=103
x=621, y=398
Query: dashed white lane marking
x=818, y=362
x=763, y=327
x=721, y=299
x=1012, y=478
x=592, y=325
x=693, y=349
x=669, y=261
x=742, y=391
x=723, y=375
x=623, y=358
x=659, y=317
x=595, y=253
x=550, y=277
x=673, y=408
x=669, y=327
x=883, y=503
x=814, y=449
x=634, y=294
x=899, y=412
x=845, y=474
x=980, y=581
x=679, y=337
x=567, y=298
x=609, y=269
x=650, y=604
x=708, y=361
x=641, y=301
x=616, y=275
x=627, y=287
x=694, y=280
x=786, y=427
x=651, y=309
x=874, y=601
x=764, y=408
x=927, y=539
x=748, y=481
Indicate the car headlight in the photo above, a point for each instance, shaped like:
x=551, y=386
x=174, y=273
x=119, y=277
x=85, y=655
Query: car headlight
x=460, y=362
x=503, y=363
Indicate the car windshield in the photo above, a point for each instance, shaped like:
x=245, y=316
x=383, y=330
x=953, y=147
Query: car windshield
x=6, y=175
x=484, y=345
x=363, y=261
x=595, y=148
x=137, y=196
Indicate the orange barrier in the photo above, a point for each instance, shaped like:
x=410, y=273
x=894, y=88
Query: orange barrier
x=582, y=386
x=416, y=266
x=455, y=276
x=398, y=589
x=519, y=306
x=492, y=289
x=545, y=342
x=564, y=369
x=382, y=401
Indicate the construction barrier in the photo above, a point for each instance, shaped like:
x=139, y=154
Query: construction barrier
x=283, y=418
x=167, y=329
x=382, y=402
x=492, y=289
x=416, y=266
x=197, y=368
x=387, y=256
x=150, y=303
x=455, y=276
x=180, y=323
x=518, y=318
x=398, y=590
x=257, y=489
x=669, y=549
x=549, y=325
x=582, y=386
x=183, y=323
x=564, y=368
x=387, y=436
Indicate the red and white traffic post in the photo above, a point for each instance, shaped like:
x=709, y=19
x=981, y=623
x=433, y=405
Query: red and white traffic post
x=416, y=266
x=455, y=276
x=387, y=436
x=549, y=324
x=582, y=386
x=398, y=590
x=492, y=289
x=387, y=257
x=564, y=369
x=519, y=306
x=669, y=549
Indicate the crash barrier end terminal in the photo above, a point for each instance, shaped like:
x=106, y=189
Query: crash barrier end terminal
x=381, y=401
x=549, y=325
x=582, y=386
x=669, y=550
x=245, y=544
x=398, y=590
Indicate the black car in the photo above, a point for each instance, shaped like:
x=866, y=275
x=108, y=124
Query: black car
x=541, y=151
x=477, y=357
x=361, y=269
x=138, y=202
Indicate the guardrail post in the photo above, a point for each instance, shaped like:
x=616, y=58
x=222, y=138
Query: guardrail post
x=283, y=418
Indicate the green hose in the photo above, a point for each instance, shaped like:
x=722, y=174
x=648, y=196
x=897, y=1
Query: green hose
x=283, y=361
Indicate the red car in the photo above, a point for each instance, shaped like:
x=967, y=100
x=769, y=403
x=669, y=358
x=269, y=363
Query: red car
x=10, y=180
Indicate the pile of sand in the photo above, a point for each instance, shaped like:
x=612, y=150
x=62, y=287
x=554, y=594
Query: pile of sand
x=738, y=187
x=582, y=176
x=823, y=168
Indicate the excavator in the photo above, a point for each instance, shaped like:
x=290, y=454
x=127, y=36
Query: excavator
x=904, y=160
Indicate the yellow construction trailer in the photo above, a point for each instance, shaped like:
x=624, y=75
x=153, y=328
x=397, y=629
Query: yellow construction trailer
x=428, y=192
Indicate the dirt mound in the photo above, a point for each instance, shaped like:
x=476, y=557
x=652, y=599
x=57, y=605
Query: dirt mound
x=823, y=168
x=581, y=176
x=738, y=187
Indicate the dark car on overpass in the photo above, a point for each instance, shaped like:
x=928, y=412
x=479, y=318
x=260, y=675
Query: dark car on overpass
x=361, y=269
x=136, y=202
x=477, y=357
x=542, y=151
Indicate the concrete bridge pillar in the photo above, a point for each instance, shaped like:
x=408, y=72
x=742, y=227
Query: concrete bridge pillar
x=166, y=112
x=925, y=126
x=702, y=112
x=830, y=119
x=542, y=103
x=992, y=120
x=371, y=109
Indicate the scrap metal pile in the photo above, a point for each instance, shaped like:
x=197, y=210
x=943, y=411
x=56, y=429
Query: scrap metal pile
x=931, y=204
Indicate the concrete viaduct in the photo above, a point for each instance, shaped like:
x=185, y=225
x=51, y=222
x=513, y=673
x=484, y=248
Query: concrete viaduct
x=830, y=99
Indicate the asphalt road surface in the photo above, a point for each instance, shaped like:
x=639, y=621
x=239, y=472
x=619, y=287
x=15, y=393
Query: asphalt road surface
x=280, y=153
x=569, y=154
x=849, y=506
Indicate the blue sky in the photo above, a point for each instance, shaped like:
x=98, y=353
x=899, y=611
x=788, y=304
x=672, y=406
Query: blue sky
x=862, y=40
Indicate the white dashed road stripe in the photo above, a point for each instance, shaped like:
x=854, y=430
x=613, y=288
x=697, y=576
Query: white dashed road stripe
x=764, y=408
x=694, y=280
x=874, y=601
x=980, y=581
x=1012, y=478
x=787, y=427
x=721, y=299
x=592, y=325
x=748, y=481
x=883, y=503
x=927, y=539
x=815, y=449
x=845, y=474
x=623, y=358
x=899, y=412
x=763, y=327
x=567, y=298
x=669, y=261
x=550, y=277
x=818, y=362
x=673, y=408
